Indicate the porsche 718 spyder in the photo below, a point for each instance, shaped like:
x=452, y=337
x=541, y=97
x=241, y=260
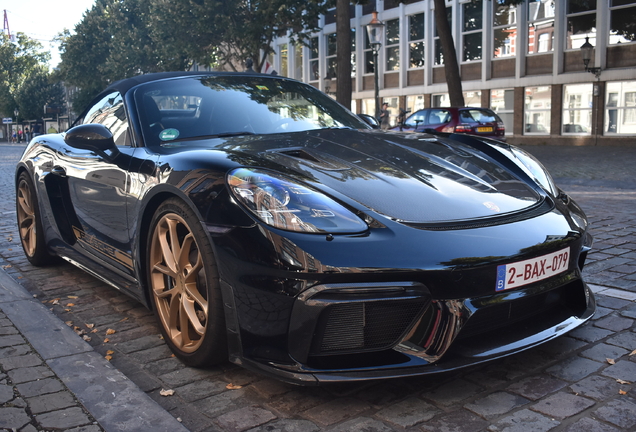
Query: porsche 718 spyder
x=266, y=224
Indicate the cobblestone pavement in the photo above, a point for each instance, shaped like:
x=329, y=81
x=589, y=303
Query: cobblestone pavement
x=580, y=382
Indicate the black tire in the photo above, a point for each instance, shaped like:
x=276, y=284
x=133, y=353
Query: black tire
x=185, y=292
x=30, y=223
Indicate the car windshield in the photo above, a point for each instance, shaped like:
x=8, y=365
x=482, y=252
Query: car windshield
x=478, y=115
x=222, y=106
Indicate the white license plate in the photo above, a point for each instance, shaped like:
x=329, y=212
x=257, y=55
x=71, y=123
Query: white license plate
x=524, y=272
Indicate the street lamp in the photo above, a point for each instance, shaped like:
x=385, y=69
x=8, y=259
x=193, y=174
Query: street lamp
x=16, y=112
x=586, y=52
x=375, y=30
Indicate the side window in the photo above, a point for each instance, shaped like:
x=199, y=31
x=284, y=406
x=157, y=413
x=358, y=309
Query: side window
x=438, y=116
x=110, y=112
x=416, y=119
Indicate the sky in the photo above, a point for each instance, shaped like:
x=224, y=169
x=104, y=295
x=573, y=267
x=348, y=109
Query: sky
x=44, y=19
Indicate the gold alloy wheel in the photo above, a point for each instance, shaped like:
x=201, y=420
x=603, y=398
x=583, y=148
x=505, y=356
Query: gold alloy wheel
x=178, y=282
x=26, y=218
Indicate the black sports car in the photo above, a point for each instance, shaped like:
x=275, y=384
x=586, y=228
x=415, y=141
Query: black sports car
x=265, y=223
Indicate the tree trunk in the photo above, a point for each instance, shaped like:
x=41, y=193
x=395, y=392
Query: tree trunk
x=343, y=55
x=451, y=67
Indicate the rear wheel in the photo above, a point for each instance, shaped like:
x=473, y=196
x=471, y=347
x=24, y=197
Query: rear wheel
x=29, y=222
x=184, y=285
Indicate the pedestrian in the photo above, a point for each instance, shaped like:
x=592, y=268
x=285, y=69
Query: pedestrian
x=51, y=130
x=384, y=116
x=20, y=134
x=13, y=137
x=36, y=130
x=27, y=134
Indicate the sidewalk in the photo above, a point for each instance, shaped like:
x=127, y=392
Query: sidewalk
x=51, y=379
x=58, y=381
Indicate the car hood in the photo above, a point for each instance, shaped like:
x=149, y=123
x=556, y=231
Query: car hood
x=407, y=177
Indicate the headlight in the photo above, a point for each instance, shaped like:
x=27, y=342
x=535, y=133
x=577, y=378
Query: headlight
x=535, y=170
x=290, y=206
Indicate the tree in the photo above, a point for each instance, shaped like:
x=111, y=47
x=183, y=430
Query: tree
x=343, y=53
x=451, y=66
x=226, y=33
x=18, y=60
x=39, y=89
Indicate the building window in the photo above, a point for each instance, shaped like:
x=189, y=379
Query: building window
x=330, y=58
x=471, y=99
x=439, y=54
x=504, y=30
x=540, y=26
x=577, y=109
x=393, y=45
x=581, y=23
x=353, y=52
x=622, y=17
x=393, y=109
x=282, y=52
x=298, y=62
x=503, y=103
x=314, y=66
x=620, y=108
x=471, y=30
x=414, y=103
x=416, y=41
x=538, y=104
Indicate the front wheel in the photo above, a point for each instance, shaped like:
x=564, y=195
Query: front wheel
x=184, y=285
x=30, y=223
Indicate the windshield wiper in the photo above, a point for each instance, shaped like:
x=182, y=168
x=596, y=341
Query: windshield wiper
x=219, y=135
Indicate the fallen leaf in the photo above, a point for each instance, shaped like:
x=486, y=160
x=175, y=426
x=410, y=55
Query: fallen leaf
x=620, y=381
x=123, y=319
x=110, y=331
x=109, y=358
x=69, y=323
x=179, y=419
x=56, y=301
x=67, y=310
x=110, y=352
x=94, y=331
x=163, y=392
x=231, y=386
x=72, y=297
x=106, y=340
x=90, y=325
x=70, y=304
x=610, y=361
x=632, y=353
x=86, y=338
x=622, y=392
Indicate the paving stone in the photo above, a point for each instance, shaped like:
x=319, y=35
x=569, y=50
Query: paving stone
x=28, y=360
x=382, y=394
x=560, y=346
x=289, y=425
x=408, y=413
x=496, y=404
x=164, y=366
x=6, y=393
x=601, y=312
x=8, y=331
x=623, y=369
x=11, y=340
x=362, y=424
x=13, y=418
x=22, y=375
x=216, y=405
x=620, y=412
x=596, y=387
x=630, y=312
x=625, y=340
x=574, y=368
x=291, y=403
x=17, y=350
x=245, y=418
x=587, y=424
x=186, y=375
x=51, y=402
x=336, y=410
x=452, y=392
x=602, y=351
x=590, y=333
x=200, y=389
x=35, y=388
x=456, y=421
x=152, y=354
x=562, y=405
x=191, y=418
x=89, y=428
x=63, y=419
x=614, y=323
x=611, y=302
x=269, y=388
x=139, y=344
x=523, y=421
x=536, y=387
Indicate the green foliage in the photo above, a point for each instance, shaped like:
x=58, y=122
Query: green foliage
x=38, y=90
x=20, y=61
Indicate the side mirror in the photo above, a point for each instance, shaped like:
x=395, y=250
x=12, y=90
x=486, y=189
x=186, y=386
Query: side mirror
x=370, y=120
x=94, y=137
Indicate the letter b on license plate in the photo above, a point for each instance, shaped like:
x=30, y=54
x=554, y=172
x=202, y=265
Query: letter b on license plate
x=525, y=272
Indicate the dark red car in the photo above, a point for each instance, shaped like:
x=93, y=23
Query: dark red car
x=468, y=120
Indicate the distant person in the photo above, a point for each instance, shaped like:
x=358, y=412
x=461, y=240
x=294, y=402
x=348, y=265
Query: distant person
x=384, y=116
x=20, y=135
x=249, y=65
x=27, y=134
x=51, y=130
x=37, y=130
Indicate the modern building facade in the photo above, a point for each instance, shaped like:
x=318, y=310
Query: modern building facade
x=524, y=61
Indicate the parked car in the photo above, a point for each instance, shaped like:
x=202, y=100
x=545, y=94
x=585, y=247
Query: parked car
x=266, y=224
x=467, y=120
